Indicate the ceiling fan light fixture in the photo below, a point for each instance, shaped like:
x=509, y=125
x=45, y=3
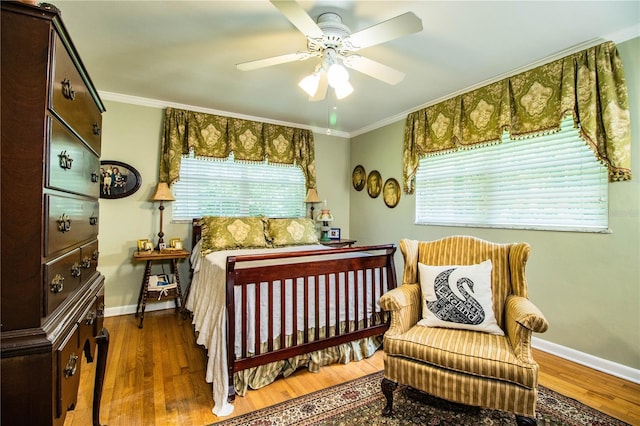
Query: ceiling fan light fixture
x=310, y=83
x=343, y=90
x=337, y=75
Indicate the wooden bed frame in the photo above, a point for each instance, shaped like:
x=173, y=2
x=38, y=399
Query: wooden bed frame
x=309, y=265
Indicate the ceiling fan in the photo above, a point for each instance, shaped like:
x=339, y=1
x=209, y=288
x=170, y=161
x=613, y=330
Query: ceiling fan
x=332, y=41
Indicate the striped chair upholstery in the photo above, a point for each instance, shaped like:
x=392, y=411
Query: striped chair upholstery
x=467, y=367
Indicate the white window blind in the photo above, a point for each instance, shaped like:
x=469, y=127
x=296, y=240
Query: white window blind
x=228, y=188
x=551, y=182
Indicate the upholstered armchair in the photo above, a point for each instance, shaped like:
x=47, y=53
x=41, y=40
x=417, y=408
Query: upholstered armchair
x=479, y=368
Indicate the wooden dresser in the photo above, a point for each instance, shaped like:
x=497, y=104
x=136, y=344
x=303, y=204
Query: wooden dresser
x=51, y=291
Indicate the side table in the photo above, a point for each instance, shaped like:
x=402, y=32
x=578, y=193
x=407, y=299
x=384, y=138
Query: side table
x=339, y=243
x=175, y=293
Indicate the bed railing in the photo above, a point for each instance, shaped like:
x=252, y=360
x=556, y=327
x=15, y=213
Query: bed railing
x=285, y=304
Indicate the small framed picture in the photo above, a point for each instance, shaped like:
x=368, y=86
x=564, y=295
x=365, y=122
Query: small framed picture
x=162, y=246
x=118, y=179
x=374, y=184
x=391, y=192
x=144, y=245
x=334, y=233
x=358, y=178
x=176, y=243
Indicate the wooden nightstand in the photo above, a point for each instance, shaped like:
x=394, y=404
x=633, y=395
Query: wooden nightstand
x=339, y=243
x=174, y=293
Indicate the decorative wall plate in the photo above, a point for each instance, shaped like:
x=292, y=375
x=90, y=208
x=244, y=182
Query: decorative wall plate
x=118, y=179
x=359, y=178
x=391, y=192
x=374, y=184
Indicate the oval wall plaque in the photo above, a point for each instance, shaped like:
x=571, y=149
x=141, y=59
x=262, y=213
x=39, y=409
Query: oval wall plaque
x=118, y=179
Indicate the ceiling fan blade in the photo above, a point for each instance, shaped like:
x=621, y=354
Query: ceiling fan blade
x=405, y=24
x=275, y=60
x=298, y=17
x=323, y=85
x=374, y=69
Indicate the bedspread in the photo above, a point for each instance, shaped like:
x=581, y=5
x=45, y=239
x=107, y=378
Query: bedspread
x=207, y=303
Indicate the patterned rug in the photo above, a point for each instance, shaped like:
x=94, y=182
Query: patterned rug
x=360, y=401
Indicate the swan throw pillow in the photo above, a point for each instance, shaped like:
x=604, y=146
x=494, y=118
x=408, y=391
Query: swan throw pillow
x=458, y=297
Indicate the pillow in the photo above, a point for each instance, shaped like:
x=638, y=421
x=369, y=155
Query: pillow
x=289, y=232
x=458, y=297
x=225, y=233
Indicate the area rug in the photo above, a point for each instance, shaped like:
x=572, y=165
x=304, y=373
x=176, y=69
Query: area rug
x=360, y=402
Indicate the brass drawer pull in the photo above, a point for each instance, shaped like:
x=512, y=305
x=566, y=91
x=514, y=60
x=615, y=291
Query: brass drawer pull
x=65, y=160
x=72, y=366
x=100, y=312
x=95, y=255
x=67, y=90
x=57, y=284
x=95, y=177
x=75, y=270
x=93, y=220
x=96, y=129
x=64, y=223
x=86, y=262
x=91, y=316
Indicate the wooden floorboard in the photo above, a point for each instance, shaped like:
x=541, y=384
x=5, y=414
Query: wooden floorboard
x=155, y=376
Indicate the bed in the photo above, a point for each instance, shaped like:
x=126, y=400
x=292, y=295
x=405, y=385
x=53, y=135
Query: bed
x=265, y=309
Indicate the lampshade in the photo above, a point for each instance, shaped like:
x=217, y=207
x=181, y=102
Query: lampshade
x=310, y=84
x=163, y=193
x=343, y=90
x=337, y=75
x=312, y=196
x=324, y=216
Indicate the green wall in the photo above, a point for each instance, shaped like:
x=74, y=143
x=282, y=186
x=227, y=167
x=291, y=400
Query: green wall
x=131, y=134
x=587, y=285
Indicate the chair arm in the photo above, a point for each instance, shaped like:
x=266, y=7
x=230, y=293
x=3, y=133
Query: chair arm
x=522, y=318
x=405, y=306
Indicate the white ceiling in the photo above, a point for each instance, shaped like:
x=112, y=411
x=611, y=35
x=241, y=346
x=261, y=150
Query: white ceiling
x=183, y=53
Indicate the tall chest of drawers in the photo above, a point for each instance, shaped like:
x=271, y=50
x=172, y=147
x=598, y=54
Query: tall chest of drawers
x=52, y=294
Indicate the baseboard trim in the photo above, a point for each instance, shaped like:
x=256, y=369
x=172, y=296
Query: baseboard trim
x=600, y=364
x=131, y=309
x=582, y=358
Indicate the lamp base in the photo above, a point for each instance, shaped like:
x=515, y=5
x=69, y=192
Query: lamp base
x=324, y=236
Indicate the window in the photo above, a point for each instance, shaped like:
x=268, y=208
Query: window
x=226, y=188
x=551, y=182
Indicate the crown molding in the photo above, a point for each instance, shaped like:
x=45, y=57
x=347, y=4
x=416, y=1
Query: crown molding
x=156, y=103
x=617, y=37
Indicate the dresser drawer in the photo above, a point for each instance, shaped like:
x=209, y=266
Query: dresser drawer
x=61, y=278
x=68, y=375
x=72, y=101
x=99, y=324
x=69, y=221
x=86, y=326
x=72, y=166
x=89, y=260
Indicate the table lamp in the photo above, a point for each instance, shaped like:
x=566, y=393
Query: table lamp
x=312, y=197
x=162, y=194
x=325, y=217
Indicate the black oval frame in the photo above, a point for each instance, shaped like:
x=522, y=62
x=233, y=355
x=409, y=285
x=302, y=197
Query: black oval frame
x=121, y=186
x=359, y=185
x=396, y=192
x=372, y=190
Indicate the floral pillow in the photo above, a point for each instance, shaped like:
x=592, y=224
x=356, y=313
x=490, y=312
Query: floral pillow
x=458, y=297
x=289, y=232
x=226, y=233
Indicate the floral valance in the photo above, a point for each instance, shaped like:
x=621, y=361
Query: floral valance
x=209, y=135
x=589, y=84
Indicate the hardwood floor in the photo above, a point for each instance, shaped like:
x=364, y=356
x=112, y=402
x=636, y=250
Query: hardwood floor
x=155, y=376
